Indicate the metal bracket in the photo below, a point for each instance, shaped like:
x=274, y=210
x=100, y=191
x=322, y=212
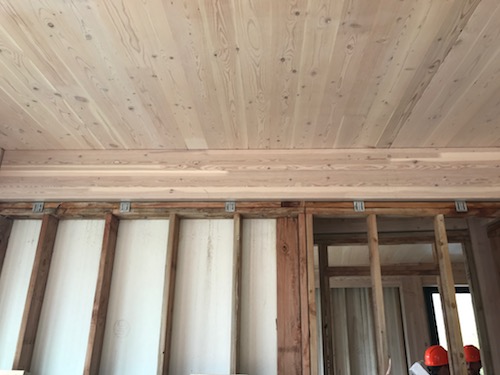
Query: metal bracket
x=38, y=207
x=230, y=206
x=461, y=206
x=359, y=206
x=124, y=206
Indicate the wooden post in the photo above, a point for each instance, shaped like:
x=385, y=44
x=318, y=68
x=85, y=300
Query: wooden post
x=326, y=314
x=236, y=303
x=313, y=335
x=169, y=295
x=304, y=295
x=479, y=312
x=5, y=229
x=378, y=296
x=101, y=297
x=484, y=249
x=448, y=300
x=288, y=283
x=36, y=292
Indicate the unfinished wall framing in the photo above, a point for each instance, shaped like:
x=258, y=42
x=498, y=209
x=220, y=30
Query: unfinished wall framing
x=237, y=288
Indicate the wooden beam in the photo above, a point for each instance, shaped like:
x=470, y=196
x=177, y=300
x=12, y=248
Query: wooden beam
x=304, y=295
x=326, y=313
x=36, y=292
x=169, y=295
x=236, y=297
x=488, y=274
x=378, y=297
x=312, y=311
x=479, y=311
x=288, y=283
x=448, y=300
x=101, y=297
x=422, y=269
x=5, y=229
x=238, y=174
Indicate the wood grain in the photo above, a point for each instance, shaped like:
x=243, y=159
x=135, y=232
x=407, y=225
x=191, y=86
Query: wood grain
x=448, y=300
x=101, y=297
x=289, y=312
x=36, y=292
x=222, y=175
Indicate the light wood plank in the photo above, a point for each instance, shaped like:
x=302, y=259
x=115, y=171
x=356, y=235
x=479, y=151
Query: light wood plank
x=234, y=359
x=101, y=298
x=484, y=251
x=312, y=311
x=378, y=297
x=221, y=175
x=326, y=313
x=169, y=295
x=36, y=292
x=448, y=300
x=304, y=294
x=289, y=320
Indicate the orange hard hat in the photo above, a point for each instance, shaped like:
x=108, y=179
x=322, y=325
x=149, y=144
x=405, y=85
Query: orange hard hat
x=436, y=355
x=471, y=353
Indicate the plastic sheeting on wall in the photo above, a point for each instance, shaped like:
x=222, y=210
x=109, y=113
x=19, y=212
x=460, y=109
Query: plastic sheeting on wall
x=14, y=282
x=133, y=322
x=61, y=342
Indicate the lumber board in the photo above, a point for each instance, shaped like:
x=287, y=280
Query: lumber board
x=448, y=300
x=326, y=312
x=36, y=292
x=234, y=360
x=411, y=174
x=378, y=297
x=289, y=312
x=311, y=290
x=304, y=293
x=169, y=295
x=101, y=297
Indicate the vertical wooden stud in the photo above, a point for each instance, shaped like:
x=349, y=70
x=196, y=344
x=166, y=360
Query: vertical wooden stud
x=484, y=249
x=313, y=335
x=326, y=314
x=36, y=292
x=101, y=297
x=236, y=301
x=378, y=297
x=477, y=299
x=304, y=295
x=448, y=300
x=5, y=229
x=169, y=295
x=288, y=284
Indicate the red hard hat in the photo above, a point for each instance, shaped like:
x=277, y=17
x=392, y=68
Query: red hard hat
x=436, y=355
x=471, y=353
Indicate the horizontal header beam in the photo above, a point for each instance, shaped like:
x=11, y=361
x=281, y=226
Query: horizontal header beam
x=358, y=174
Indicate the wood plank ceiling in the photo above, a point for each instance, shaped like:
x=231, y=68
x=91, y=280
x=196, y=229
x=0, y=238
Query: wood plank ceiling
x=256, y=74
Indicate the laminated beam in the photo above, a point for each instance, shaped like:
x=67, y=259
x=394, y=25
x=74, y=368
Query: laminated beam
x=251, y=174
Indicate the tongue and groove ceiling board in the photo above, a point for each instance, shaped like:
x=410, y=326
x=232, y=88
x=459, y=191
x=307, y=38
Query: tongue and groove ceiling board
x=260, y=74
x=254, y=99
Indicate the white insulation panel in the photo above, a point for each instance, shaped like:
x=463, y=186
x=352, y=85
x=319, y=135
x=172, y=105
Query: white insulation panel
x=201, y=332
x=259, y=340
x=133, y=325
x=14, y=282
x=63, y=330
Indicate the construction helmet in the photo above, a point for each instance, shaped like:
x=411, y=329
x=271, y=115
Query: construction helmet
x=436, y=355
x=471, y=353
